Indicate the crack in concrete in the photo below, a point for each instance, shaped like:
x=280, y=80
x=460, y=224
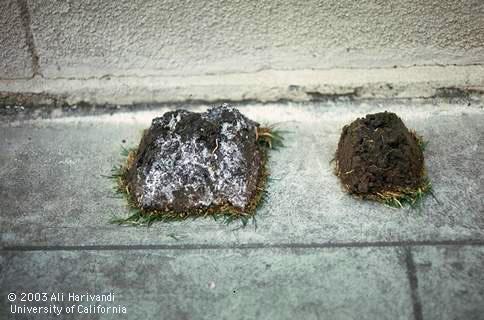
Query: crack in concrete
x=413, y=282
x=26, y=22
x=249, y=246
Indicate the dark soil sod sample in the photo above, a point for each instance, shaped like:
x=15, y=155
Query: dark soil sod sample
x=378, y=158
x=196, y=164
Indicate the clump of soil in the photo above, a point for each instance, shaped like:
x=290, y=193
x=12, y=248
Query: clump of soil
x=379, y=158
x=190, y=164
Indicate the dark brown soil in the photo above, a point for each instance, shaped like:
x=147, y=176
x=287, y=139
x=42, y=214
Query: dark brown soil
x=378, y=153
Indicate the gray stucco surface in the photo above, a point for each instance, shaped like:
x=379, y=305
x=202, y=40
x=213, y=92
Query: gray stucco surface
x=169, y=51
x=53, y=192
x=15, y=59
x=97, y=38
x=226, y=284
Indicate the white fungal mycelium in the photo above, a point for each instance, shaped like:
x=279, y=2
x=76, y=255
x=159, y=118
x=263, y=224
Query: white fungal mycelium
x=185, y=165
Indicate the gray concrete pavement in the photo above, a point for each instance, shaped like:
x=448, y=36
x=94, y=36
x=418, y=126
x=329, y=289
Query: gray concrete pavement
x=52, y=186
x=225, y=284
x=316, y=252
x=451, y=282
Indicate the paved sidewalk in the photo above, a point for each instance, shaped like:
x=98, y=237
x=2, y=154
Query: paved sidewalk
x=316, y=253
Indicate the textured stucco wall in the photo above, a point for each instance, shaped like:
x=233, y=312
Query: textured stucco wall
x=99, y=37
x=146, y=50
x=15, y=58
